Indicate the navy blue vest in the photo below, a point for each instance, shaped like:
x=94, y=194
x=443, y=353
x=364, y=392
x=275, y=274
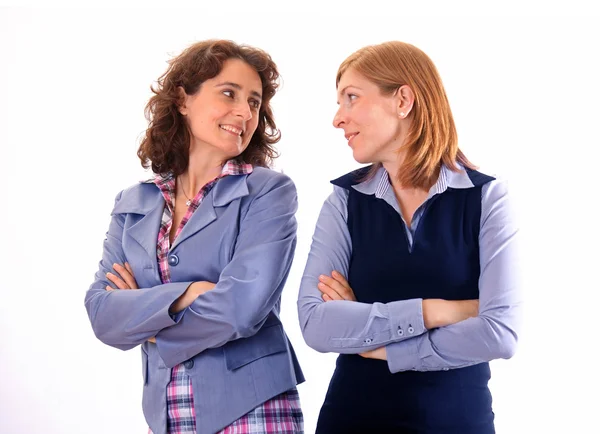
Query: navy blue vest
x=363, y=396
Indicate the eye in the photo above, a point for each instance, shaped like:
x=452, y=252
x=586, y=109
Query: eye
x=255, y=104
x=229, y=93
x=349, y=98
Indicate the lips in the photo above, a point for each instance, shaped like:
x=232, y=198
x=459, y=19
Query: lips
x=237, y=131
x=350, y=136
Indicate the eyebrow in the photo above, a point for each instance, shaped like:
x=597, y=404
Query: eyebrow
x=343, y=91
x=238, y=87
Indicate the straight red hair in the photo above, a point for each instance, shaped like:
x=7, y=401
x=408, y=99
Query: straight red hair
x=432, y=138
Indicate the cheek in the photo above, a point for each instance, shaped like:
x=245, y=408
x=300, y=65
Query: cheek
x=370, y=117
x=251, y=126
x=200, y=120
x=382, y=122
x=361, y=117
x=198, y=126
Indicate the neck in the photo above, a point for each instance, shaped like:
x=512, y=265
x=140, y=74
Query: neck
x=408, y=189
x=394, y=153
x=202, y=168
x=392, y=166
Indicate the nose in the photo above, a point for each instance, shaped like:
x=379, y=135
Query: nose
x=243, y=110
x=338, y=119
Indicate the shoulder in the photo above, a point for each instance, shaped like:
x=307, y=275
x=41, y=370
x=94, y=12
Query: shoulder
x=263, y=180
x=352, y=178
x=336, y=203
x=478, y=178
x=493, y=186
x=269, y=190
x=494, y=190
x=497, y=203
x=137, y=198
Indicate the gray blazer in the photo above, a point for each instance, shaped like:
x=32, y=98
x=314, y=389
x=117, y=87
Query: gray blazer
x=231, y=340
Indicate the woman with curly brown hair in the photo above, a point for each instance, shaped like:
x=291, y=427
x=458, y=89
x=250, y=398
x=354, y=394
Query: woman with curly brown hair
x=195, y=259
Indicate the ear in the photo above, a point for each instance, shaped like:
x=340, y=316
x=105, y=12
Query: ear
x=405, y=99
x=182, y=102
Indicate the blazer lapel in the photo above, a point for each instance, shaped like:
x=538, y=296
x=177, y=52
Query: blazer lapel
x=225, y=191
x=147, y=201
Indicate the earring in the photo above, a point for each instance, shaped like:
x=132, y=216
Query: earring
x=401, y=114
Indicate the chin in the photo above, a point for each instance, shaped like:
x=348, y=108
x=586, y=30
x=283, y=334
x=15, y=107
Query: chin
x=233, y=151
x=362, y=159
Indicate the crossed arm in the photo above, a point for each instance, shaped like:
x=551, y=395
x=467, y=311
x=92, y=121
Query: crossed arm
x=248, y=288
x=447, y=334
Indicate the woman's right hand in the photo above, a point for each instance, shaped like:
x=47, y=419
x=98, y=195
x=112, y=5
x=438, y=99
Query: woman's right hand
x=193, y=291
x=335, y=287
x=439, y=313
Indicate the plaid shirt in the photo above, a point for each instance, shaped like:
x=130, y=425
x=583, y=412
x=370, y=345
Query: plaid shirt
x=281, y=414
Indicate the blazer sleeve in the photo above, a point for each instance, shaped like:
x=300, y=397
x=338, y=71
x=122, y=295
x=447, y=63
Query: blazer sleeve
x=126, y=318
x=250, y=286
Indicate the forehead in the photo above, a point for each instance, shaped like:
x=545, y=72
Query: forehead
x=239, y=72
x=351, y=78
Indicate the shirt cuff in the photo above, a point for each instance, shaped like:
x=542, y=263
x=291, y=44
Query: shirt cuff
x=406, y=318
x=403, y=356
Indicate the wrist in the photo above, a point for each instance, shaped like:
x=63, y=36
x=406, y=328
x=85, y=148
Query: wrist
x=434, y=313
x=185, y=299
x=200, y=287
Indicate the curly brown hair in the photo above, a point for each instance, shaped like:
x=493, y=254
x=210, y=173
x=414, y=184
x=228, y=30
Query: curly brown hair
x=165, y=145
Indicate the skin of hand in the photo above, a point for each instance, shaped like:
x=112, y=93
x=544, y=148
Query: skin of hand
x=193, y=291
x=125, y=280
x=378, y=353
x=445, y=312
x=436, y=311
x=335, y=287
x=440, y=313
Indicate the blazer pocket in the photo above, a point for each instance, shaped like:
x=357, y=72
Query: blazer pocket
x=269, y=340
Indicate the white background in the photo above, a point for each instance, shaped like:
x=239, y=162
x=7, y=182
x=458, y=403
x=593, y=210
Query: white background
x=523, y=83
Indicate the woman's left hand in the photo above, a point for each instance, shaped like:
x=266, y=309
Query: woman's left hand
x=379, y=353
x=123, y=280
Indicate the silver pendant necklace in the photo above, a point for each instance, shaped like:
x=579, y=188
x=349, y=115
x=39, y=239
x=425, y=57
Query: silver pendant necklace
x=189, y=201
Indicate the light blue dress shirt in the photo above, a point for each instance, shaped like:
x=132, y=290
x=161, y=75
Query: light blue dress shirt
x=353, y=327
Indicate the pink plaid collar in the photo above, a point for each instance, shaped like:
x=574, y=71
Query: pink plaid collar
x=167, y=183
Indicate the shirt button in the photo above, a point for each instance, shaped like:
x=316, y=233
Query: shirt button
x=411, y=330
x=173, y=260
x=188, y=364
x=400, y=332
x=368, y=340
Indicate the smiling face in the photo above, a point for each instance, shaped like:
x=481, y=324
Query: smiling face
x=224, y=113
x=370, y=120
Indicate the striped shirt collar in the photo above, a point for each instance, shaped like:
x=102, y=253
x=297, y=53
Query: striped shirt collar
x=380, y=183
